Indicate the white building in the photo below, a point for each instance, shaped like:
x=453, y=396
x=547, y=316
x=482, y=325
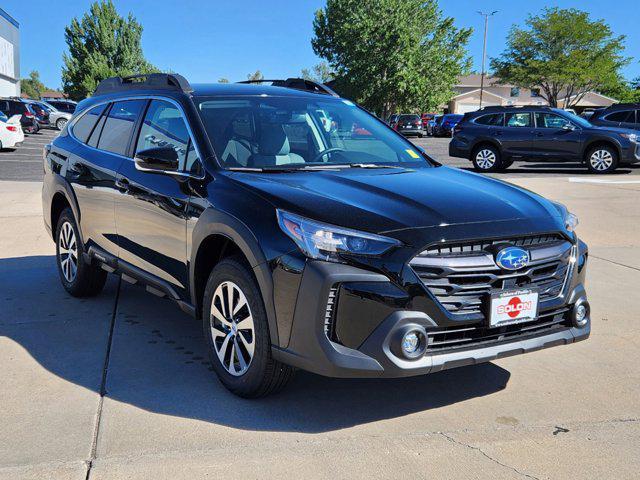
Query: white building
x=9, y=56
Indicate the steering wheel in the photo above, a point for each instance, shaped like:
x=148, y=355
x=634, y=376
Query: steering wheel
x=326, y=152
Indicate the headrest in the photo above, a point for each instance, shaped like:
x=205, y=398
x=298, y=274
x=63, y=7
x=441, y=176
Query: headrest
x=273, y=140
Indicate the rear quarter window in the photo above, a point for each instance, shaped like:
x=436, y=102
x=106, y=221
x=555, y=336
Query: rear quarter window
x=83, y=127
x=494, y=119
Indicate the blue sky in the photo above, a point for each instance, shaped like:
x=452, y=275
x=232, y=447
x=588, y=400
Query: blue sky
x=208, y=39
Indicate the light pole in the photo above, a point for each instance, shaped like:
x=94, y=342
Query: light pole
x=484, y=49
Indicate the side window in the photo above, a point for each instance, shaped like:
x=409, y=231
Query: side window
x=83, y=127
x=119, y=126
x=495, y=119
x=637, y=116
x=518, y=120
x=623, y=116
x=164, y=126
x=549, y=120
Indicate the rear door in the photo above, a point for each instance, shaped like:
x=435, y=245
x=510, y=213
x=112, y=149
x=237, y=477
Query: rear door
x=516, y=136
x=151, y=210
x=556, y=137
x=92, y=166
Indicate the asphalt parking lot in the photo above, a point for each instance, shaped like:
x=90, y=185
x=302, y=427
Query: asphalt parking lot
x=25, y=163
x=119, y=386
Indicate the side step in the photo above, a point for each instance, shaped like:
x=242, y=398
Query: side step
x=135, y=275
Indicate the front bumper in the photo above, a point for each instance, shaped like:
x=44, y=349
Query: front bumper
x=373, y=313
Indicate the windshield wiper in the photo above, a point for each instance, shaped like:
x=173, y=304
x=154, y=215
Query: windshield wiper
x=372, y=165
x=310, y=168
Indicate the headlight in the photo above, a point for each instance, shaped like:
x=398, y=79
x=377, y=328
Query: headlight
x=324, y=242
x=570, y=219
x=632, y=137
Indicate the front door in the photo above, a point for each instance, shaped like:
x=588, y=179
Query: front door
x=151, y=211
x=556, y=137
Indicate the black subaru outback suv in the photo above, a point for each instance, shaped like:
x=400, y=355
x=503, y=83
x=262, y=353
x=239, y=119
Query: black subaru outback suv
x=494, y=137
x=300, y=244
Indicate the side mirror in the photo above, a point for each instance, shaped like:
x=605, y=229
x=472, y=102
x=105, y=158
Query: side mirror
x=157, y=159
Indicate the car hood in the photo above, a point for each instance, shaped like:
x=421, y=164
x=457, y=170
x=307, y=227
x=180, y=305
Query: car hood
x=387, y=200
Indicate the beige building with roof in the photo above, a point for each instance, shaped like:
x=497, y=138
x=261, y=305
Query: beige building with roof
x=468, y=96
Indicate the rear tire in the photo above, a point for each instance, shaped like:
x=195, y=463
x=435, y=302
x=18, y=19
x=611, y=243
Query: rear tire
x=237, y=333
x=61, y=123
x=486, y=158
x=79, y=278
x=602, y=159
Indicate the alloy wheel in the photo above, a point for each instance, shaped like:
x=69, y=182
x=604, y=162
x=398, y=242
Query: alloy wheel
x=486, y=159
x=68, y=252
x=61, y=123
x=232, y=328
x=601, y=160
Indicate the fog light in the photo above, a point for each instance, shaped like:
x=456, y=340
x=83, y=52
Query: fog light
x=411, y=343
x=581, y=314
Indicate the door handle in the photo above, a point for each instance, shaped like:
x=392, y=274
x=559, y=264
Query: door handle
x=122, y=184
x=539, y=134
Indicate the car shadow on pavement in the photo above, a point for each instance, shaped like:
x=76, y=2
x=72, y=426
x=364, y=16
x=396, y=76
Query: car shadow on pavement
x=557, y=168
x=158, y=361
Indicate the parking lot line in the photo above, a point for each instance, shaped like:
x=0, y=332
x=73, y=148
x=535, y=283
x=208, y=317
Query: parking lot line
x=601, y=180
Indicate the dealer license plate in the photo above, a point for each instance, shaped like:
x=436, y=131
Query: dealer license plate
x=513, y=306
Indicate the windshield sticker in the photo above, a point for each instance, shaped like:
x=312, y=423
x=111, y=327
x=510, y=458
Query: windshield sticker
x=412, y=153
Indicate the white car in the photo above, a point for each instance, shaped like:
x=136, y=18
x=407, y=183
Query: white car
x=11, y=134
x=57, y=118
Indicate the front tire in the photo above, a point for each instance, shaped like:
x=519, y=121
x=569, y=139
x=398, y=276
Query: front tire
x=602, y=159
x=79, y=278
x=60, y=124
x=487, y=159
x=237, y=333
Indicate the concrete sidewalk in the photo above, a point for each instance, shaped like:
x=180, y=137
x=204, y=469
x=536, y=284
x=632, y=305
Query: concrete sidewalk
x=119, y=386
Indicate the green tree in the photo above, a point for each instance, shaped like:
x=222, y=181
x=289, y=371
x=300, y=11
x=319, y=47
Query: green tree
x=321, y=73
x=391, y=54
x=223, y=80
x=257, y=75
x=32, y=86
x=564, y=53
x=102, y=44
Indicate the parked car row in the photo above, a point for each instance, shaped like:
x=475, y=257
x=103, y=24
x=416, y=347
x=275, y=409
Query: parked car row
x=37, y=114
x=429, y=124
x=495, y=137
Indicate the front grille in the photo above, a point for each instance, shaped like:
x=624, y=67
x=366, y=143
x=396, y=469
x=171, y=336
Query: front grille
x=467, y=336
x=482, y=245
x=463, y=277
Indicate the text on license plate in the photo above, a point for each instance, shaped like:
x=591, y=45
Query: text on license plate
x=514, y=306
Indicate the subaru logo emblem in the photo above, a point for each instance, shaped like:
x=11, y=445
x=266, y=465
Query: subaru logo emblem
x=512, y=258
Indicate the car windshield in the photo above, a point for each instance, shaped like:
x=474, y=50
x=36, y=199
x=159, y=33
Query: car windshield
x=294, y=132
x=581, y=122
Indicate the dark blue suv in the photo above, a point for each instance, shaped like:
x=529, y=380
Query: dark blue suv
x=494, y=137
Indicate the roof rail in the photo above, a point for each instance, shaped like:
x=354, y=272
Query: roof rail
x=500, y=107
x=156, y=81
x=630, y=104
x=298, y=84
